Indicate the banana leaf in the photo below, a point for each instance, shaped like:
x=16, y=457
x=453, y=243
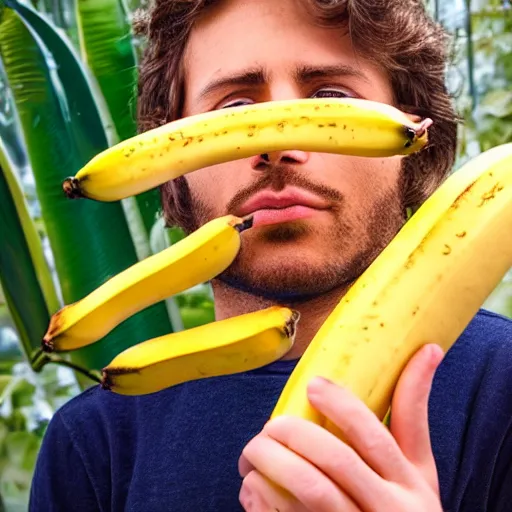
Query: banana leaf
x=13, y=164
x=25, y=278
x=87, y=106
x=90, y=240
x=83, y=95
x=24, y=275
x=106, y=46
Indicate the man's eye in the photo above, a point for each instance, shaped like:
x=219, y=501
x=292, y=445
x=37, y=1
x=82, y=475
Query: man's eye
x=333, y=93
x=236, y=103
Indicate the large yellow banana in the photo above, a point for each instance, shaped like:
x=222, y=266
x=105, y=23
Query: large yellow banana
x=348, y=126
x=197, y=258
x=224, y=347
x=425, y=286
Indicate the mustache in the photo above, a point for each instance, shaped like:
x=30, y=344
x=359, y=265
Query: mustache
x=277, y=178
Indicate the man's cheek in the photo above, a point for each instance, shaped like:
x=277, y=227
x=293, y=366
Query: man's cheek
x=213, y=191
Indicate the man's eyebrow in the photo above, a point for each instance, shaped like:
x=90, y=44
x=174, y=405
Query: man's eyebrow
x=256, y=76
x=308, y=73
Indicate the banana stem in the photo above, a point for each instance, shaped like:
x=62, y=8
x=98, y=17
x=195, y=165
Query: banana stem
x=40, y=359
x=87, y=373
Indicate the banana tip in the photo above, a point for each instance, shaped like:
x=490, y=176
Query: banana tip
x=71, y=187
x=47, y=345
x=418, y=133
x=291, y=324
x=106, y=381
x=246, y=223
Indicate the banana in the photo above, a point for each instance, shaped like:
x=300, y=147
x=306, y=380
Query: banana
x=197, y=258
x=346, y=126
x=224, y=347
x=425, y=286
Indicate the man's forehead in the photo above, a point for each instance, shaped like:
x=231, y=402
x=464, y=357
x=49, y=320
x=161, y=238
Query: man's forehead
x=237, y=45
x=245, y=32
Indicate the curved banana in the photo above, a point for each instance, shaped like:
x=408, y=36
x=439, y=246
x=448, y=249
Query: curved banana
x=224, y=347
x=346, y=126
x=196, y=259
x=425, y=286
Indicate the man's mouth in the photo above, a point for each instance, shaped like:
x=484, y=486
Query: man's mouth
x=271, y=207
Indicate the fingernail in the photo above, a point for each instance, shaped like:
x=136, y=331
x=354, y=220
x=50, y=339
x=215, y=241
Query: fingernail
x=317, y=384
x=436, y=353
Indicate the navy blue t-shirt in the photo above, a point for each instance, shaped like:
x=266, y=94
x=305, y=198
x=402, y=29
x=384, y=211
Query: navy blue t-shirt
x=177, y=450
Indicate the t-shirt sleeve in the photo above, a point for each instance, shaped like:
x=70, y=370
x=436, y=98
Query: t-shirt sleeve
x=60, y=482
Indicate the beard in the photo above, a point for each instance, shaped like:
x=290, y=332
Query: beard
x=341, y=252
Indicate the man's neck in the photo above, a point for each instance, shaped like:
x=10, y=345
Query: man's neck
x=230, y=302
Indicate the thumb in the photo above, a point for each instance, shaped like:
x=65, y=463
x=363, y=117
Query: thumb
x=409, y=409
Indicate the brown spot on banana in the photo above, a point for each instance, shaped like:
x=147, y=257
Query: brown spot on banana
x=491, y=194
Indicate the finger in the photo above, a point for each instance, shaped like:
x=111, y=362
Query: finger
x=259, y=494
x=409, y=416
x=361, y=429
x=333, y=457
x=244, y=466
x=296, y=475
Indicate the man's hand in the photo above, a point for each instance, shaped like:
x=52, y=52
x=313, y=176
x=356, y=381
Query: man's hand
x=381, y=471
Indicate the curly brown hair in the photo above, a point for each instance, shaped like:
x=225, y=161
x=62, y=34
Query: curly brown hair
x=398, y=35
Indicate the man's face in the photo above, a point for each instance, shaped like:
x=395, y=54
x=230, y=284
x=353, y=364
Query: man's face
x=346, y=208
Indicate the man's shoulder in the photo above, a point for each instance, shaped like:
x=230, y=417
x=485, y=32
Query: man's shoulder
x=484, y=346
x=93, y=398
x=485, y=317
x=470, y=408
x=477, y=370
x=99, y=410
x=488, y=333
x=88, y=411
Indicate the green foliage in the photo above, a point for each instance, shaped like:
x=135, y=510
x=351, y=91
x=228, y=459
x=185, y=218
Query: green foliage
x=494, y=118
x=196, y=308
x=27, y=401
x=106, y=46
x=19, y=277
x=91, y=241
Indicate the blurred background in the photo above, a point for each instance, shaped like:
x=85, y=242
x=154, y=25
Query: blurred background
x=68, y=73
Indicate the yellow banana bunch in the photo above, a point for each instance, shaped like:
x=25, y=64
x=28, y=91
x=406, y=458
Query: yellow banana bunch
x=224, y=347
x=197, y=258
x=425, y=286
x=346, y=126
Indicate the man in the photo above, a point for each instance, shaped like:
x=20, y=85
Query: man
x=207, y=445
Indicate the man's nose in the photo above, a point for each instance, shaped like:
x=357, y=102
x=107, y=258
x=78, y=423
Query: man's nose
x=279, y=158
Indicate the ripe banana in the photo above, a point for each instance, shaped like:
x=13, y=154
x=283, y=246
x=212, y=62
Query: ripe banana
x=197, y=258
x=346, y=126
x=224, y=347
x=425, y=286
